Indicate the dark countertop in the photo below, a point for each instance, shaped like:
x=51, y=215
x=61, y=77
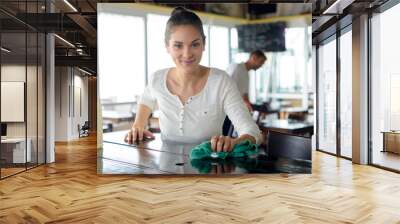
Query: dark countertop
x=163, y=157
x=286, y=124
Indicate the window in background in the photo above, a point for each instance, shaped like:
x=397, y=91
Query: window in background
x=121, y=61
x=205, y=59
x=236, y=56
x=327, y=97
x=219, y=47
x=309, y=60
x=157, y=55
x=284, y=72
x=385, y=88
x=346, y=94
x=290, y=73
x=285, y=76
x=259, y=82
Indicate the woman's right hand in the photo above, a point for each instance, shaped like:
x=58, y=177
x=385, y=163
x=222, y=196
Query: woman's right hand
x=137, y=132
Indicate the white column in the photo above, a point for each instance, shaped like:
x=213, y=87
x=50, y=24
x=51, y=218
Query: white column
x=50, y=99
x=63, y=102
x=314, y=90
x=360, y=90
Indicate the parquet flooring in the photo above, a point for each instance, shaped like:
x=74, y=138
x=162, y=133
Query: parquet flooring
x=70, y=191
x=10, y=171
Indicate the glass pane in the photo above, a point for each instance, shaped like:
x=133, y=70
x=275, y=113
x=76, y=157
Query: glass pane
x=327, y=97
x=219, y=47
x=13, y=87
x=386, y=89
x=31, y=100
x=346, y=94
x=32, y=88
x=41, y=99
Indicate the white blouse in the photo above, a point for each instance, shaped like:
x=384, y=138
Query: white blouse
x=240, y=75
x=203, y=115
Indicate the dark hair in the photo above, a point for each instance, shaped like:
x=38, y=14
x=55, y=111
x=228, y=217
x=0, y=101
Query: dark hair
x=181, y=16
x=258, y=54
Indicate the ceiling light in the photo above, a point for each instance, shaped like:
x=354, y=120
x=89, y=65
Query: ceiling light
x=5, y=50
x=338, y=6
x=70, y=5
x=65, y=41
x=84, y=71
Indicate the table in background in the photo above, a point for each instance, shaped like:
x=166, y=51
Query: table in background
x=117, y=117
x=287, y=126
x=391, y=141
x=263, y=110
x=13, y=150
x=298, y=113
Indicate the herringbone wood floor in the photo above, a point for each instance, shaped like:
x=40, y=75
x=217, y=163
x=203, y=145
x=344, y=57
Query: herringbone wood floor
x=70, y=191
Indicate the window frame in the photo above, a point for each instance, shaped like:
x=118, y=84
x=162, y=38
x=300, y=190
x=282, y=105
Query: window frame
x=333, y=37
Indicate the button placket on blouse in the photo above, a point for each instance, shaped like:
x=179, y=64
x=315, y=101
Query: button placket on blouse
x=181, y=116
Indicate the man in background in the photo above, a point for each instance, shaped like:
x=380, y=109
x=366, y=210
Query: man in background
x=240, y=73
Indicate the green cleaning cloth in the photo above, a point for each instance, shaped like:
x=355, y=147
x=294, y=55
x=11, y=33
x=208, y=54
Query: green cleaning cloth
x=204, y=151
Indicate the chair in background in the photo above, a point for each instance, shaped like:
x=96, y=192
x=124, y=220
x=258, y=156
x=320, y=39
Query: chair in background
x=84, y=130
x=107, y=127
x=288, y=146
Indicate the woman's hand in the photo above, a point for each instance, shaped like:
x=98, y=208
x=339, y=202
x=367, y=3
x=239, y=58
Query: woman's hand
x=248, y=105
x=222, y=143
x=137, y=132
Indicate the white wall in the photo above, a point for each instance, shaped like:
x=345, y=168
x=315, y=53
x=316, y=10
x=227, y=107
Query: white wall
x=16, y=73
x=69, y=85
x=61, y=103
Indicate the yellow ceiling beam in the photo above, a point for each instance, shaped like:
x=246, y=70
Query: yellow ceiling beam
x=210, y=16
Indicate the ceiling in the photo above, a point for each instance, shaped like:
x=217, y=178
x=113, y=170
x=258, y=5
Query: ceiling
x=328, y=16
x=76, y=21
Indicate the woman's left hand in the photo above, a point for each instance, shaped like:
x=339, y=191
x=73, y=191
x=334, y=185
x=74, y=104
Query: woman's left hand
x=220, y=143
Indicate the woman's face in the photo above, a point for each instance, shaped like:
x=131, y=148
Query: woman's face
x=185, y=47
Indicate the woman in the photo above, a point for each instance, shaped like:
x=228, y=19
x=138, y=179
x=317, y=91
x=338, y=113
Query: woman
x=193, y=100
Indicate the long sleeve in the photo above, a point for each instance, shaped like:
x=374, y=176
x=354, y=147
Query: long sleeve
x=148, y=98
x=237, y=112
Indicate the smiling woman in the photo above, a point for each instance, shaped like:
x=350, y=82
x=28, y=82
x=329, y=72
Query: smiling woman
x=193, y=99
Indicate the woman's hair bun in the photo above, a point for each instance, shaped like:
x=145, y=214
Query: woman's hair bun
x=182, y=16
x=178, y=10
